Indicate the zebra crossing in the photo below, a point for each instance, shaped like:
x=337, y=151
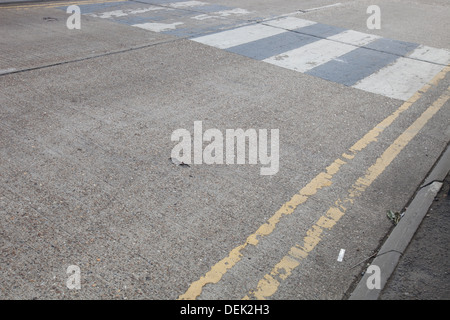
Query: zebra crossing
x=392, y=68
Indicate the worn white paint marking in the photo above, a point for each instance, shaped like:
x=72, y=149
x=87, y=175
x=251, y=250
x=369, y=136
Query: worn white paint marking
x=341, y=255
x=123, y=13
x=429, y=54
x=221, y=14
x=234, y=37
x=108, y=14
x=186, y=4
x=311, y=55
x=354, y=37
x=289, y=23
x=203, y=16
x=157, y=27
x=137, y=11
x=401, y=79
x=235, y=11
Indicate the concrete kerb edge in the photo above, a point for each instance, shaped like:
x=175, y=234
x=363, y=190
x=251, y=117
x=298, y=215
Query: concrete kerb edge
x=393, y=248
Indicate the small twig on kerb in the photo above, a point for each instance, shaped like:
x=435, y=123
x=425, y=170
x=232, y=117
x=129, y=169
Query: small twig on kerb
x=375, y=255
x=364, y=260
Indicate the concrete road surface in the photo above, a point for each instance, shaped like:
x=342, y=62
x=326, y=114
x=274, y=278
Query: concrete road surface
x=93, y=202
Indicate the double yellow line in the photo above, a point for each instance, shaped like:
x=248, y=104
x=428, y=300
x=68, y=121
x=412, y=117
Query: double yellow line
x=57, y=4
x=270, y=283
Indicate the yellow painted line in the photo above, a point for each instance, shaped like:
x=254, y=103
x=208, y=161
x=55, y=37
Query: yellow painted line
x=283, y=269
x=59, y=4
x=323, y=179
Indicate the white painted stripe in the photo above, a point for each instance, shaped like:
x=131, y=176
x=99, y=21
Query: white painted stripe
x=425, y=53
x=289, y=23
x=235, y=37
x=401, y=79
x=341, y=255
x=354, y=37
x=157, y=27
x=311, y=55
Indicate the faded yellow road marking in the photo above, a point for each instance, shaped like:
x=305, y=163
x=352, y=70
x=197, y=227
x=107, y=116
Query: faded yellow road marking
x=322, y=180
x=270, y=283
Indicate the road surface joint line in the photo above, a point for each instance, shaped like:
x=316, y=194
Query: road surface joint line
x=13, y=70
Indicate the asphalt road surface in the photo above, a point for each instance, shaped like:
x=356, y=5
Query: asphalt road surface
x=93, y=202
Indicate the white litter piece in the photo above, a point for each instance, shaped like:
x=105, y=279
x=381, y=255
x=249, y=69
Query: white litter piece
x=341, y=255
